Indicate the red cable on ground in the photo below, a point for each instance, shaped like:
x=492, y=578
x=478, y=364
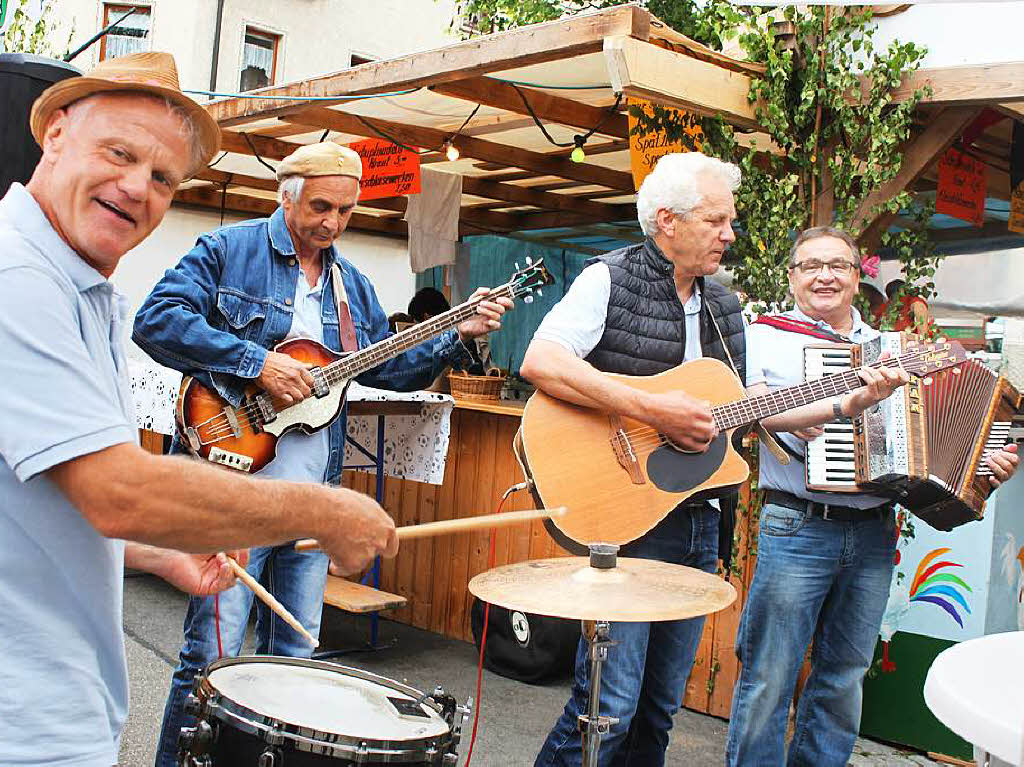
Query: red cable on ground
x=483, y=643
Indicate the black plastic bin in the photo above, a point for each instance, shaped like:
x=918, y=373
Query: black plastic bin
x=23, y=76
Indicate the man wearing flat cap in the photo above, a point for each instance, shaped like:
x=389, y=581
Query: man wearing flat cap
x=78, y=497
x=218, y=314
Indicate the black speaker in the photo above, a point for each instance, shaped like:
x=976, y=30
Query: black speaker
x=23, y=76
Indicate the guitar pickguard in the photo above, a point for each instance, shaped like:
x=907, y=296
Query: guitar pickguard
x=675, y=471
x=310, y=415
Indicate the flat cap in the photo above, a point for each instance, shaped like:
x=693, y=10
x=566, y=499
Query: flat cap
x=324, y=159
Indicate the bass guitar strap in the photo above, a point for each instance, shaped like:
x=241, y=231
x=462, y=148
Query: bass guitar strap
x=346, y=328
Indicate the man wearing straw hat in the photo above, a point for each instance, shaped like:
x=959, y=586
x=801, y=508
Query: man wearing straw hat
x=218, y=314
x=76, y=492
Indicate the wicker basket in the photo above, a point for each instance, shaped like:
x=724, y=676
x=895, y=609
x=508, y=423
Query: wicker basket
x=465, y=386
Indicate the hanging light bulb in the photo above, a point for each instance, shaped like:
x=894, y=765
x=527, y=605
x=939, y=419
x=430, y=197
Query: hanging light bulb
x=451, y=151
x=577, y=154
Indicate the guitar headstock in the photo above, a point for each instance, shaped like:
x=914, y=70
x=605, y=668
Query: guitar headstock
x=921, y=358
x=530, y=279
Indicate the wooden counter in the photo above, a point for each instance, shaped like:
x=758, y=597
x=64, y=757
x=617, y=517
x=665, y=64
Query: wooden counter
x=433, y=573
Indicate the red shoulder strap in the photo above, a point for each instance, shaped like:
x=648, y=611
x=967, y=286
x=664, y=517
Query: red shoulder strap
x=791, y=325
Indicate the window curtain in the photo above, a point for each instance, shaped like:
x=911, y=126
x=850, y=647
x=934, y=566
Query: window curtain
x=259, y=53
x=130, y=36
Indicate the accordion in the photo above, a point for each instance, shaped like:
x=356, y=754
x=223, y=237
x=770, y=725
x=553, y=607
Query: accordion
x=925, y=446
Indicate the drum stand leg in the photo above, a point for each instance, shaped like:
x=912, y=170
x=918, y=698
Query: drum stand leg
x=593, y=726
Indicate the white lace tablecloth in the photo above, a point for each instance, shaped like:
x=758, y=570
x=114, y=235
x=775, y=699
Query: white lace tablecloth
x=415, y=446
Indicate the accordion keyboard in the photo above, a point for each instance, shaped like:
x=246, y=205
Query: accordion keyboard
x=830, y=458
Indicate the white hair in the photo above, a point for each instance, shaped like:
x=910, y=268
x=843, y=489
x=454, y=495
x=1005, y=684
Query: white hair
x=672, y=185
x=290, y=187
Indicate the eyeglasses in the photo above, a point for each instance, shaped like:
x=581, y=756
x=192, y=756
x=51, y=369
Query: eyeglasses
x=813, y=266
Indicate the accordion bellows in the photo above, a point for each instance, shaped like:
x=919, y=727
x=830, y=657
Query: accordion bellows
x=926, y=445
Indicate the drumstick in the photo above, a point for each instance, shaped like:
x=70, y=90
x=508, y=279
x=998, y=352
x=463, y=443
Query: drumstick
x=268, y=599
x=451, y=526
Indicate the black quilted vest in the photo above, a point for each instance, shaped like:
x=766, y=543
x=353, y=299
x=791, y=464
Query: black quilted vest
x=643, y=332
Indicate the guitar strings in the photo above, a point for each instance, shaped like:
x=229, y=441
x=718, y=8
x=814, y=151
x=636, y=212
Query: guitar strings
x=219, y=427
x=737, y=408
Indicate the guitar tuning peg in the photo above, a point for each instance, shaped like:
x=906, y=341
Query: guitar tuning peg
x=529, y=261
x=516, y=265
x=540, y=292
x=528, y=299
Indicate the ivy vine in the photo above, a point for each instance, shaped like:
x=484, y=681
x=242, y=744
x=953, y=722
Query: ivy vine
x=26, y=34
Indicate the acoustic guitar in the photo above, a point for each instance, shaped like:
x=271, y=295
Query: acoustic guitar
x=619, y=477
x=245, y=438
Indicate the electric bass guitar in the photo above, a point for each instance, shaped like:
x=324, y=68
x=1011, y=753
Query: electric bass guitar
x=620, y=477
x=245, y=438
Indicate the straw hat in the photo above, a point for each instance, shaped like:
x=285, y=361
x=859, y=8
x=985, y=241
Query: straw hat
x=149, y=72
x=324, y=159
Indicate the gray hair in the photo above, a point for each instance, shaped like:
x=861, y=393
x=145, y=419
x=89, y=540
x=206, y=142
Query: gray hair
x=290, y=187
x=672, y=185
x=188, y=130
x=816, y=233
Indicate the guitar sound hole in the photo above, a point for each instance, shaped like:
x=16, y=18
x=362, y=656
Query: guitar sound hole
x=676, y=446
x=675, y=470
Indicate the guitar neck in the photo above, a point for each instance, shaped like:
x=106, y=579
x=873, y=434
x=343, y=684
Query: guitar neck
x=356, y=363
x=746, y=411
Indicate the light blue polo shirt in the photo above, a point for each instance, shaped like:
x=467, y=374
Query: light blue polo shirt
x=64, y=393
x=781, y=363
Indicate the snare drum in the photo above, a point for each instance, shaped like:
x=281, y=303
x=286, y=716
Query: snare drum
x=266, y=711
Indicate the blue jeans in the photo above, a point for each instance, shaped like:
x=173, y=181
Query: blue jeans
x=815, y=579
x=295, y=578
x=644, y=678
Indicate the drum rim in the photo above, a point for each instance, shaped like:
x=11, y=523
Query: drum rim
x=302, y=738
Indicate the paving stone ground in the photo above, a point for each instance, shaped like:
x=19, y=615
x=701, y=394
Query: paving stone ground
x=514, y=717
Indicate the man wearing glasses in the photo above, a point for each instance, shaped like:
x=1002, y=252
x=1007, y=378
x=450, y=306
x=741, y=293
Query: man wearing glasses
x=824, y=560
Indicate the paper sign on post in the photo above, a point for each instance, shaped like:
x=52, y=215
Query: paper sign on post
x=961, y=191
x=1016, y=222
x=645, y=149
x=388, y=169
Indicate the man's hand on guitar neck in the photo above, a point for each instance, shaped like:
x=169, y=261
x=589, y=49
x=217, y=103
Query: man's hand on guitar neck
x=285, y=379
x=487, y=317
x=686, y=421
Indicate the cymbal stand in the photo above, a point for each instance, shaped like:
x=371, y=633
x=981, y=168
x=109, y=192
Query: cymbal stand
x=593, y=726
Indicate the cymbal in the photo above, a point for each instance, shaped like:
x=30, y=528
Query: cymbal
x=633, y=590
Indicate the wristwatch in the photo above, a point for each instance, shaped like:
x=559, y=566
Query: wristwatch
x=837, y=408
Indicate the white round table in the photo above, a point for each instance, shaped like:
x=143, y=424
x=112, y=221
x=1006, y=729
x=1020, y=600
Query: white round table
x=976, y=688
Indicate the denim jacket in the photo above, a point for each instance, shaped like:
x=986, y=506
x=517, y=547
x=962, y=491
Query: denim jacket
x=229, y=300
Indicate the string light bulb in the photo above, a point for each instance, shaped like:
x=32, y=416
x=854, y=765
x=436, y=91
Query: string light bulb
x=577, y=154
x=451, y=151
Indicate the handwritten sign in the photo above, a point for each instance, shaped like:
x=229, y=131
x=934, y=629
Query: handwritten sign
x=388, y=169
x=1016, y=222
x=645, y=149
x=961, y=191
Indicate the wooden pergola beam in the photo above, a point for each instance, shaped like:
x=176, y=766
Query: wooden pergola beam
x=494, y=190
x=1014, y=109
x=237, y=179
x=501, y=95
x=961, y=233
x=469, y=146
x=918, y=155
x=210, y=197
x=265, y=146
x=471, y=58
x=642, y=70
x=992, y=84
